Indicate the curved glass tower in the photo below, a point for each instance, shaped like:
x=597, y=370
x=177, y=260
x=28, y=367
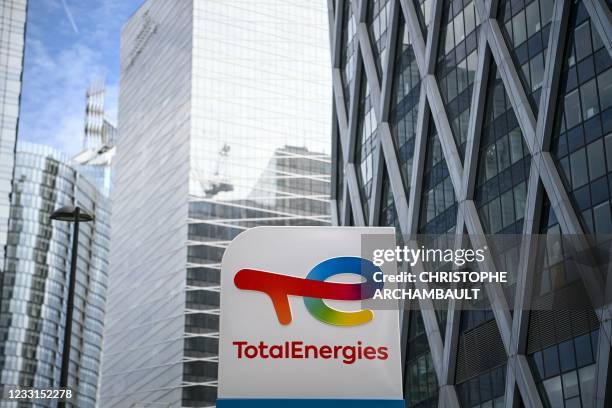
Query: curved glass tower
x=34, y=286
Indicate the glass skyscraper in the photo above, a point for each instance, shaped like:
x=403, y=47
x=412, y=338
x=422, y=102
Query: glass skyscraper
x=12, y=39
x=476, y=117
x=35, y=252
x=96, y=160
x=224, y=118
x=34, y=281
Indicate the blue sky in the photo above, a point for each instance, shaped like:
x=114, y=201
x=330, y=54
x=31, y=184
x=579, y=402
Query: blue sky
x=69, y=43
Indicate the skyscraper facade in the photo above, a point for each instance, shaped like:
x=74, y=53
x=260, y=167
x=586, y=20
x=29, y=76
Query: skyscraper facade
x=98, y=129
x=12, y=40
x=96, y=160
x=224, y=115
x=34, y=281
x=477, y=117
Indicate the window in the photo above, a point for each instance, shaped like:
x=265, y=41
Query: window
x=603, y=222
x=533, y=18
x=503, y=164
x=349, y=50
x=503, y=155
x=572, y=382
x=552, y=387
x=518, y=25
x=507, y=203
x=491, y=161
x=536, y=66
x=526, y=26
x=590, y=105
x=516, y=145
x=378, y=17
x=605, y=89
x=456, y=65
x=405, y=103
x=572, y=109
x=587, y=386
x=520, y=198
x=584, y=353
x=551, y=362
x=494, y=218
x=423, y=9
x=365, y=147
x=484, y=391
x=584, y=122
x=566, y=353
x=570, y=385
x=438, y=214
x=582, y=37
x=421, y=384
x=597, y=161
x=578, y=168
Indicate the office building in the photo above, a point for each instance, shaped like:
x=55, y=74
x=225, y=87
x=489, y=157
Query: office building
x=224, y=117
x=34, y=281
x=96, y=159
x=12, y=40
x=482, y=117
x=99, y=131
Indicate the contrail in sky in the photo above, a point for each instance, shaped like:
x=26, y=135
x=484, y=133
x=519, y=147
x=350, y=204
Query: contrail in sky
x=70, y=18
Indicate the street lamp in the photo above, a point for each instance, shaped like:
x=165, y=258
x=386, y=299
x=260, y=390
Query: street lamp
x=73, y=214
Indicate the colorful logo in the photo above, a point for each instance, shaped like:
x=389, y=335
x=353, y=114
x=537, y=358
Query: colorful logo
x=314, y=289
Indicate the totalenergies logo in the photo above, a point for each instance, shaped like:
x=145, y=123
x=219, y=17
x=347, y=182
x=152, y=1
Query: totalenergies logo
x=314, y=289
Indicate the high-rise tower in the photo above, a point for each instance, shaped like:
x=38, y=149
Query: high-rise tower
x=12, y=41
x=34, y=281
x=483, y=117
x=223, y=125
x=96, y=160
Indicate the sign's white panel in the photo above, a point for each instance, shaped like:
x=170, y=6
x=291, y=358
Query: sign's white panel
x=301, y=346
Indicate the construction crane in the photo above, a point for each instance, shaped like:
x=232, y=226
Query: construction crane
x=220, y=182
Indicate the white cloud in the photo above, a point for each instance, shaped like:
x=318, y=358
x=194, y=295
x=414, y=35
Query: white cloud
x=60, y=64
x=54, y=105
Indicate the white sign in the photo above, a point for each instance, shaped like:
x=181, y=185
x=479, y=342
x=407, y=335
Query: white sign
x=280, y=338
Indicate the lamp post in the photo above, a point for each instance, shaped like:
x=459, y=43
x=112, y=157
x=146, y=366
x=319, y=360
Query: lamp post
x=75, y=215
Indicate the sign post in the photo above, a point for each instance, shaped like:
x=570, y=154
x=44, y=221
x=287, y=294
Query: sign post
x=293, y=329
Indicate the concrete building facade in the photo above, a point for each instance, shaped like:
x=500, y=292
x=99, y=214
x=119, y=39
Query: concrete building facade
x=482, y=117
